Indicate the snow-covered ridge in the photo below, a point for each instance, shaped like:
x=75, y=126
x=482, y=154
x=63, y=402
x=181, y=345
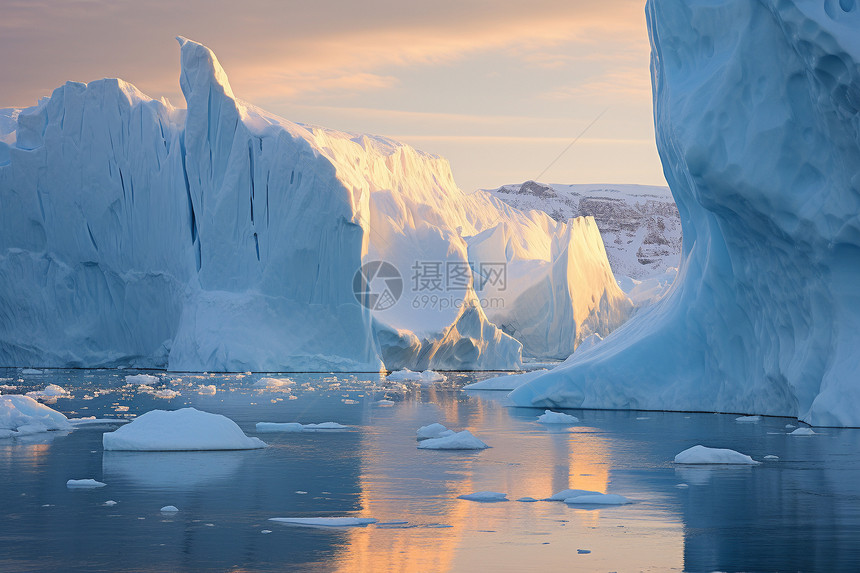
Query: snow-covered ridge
x=640, y=224
x=757, y=113
x=223, y=237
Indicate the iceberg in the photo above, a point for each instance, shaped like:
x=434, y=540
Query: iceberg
x=224, y=238
x=22, y=415
x=757, y=115
x=704, y=455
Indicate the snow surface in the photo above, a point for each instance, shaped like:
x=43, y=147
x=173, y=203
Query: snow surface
x=84, y=483
x=21, y=415
x=485, y=496
x=432, y=431
x=273, y=427
x=755, y=111
x=325, y=521
x=598, y=499
x=550, y=417
x=180, y=430
x=224, y=238
x=458, y=441
x=704, y=455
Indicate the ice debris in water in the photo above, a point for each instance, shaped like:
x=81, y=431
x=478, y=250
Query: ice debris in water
x=84, y=483
x=434, y=430
x=272, y=427
x=484, y=496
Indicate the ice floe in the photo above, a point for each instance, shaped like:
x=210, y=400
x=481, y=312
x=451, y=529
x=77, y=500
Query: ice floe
x=484, y=496
x=598, y=499
x=22, y=415
x=570, y=493
x=802, y=432
x=325, y=521
x=550, y=417
x=178, y=430
x=84, y=483
x=704, y=455
x=425, y=378
x=273, y=427
x=432, y=431
x=458, y=441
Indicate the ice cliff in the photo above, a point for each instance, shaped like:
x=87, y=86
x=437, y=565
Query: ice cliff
x=222, y=237
x=756, y=111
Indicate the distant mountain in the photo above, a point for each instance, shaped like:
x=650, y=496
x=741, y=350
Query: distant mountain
x=640, y=224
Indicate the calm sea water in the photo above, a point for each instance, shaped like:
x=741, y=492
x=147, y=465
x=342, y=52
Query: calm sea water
x=801, y=512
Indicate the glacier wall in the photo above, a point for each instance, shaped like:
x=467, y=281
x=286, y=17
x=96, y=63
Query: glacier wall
x=756, y=113
x=222, y=237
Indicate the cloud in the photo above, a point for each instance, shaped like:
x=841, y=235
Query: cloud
x=625, y=83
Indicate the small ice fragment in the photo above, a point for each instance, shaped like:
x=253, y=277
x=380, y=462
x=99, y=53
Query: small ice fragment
x=209, y=390
x=31, y=371
x=569, y=493
x=84, y=483
x=598, y=499
x=748, y=419
x=109, y=503
x=484, y=496
x=166, y=393
x=460, y=441
x=266, y=531
x=325, y=521
x=300, y=492
x=431, y=431
x=703, y=455
x=424, y=378
x=550, y=417
x=169, y=509
x=526, y=499
x=802, y=432
x=682, y=486
x=790, y=426
x=643, y=418
x=771, y=457
x=384, y=402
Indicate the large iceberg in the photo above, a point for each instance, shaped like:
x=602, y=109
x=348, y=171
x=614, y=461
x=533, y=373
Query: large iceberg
x=222, y=237
x=756, y=112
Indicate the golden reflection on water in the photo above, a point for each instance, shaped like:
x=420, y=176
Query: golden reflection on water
x=398, y=482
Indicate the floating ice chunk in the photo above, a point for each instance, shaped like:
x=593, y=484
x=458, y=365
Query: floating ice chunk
x=569, y=493
x=484, y=496
x=802, y=432
x=458, y=441
x=527, y=499
x=771, y=458
x=682, y=486
x=272, y=427
x=598, y=499
x=271, y=383
x=506, y=382
x=143, y=379
x=185, y=429
x=166, y=393
x=93, y=421
x=790, y=426
x=748, y=419
x=169, y=509
x=265, y=531
x=703, y=455
x=384, y=402
x=84, y=483
x=209, y=390
x=424, y=378
x=435, y=430
x=325, y=521
x=109, y=503
x=50, y=391
x=550, y=417
x=31, y=371
x=22, y=414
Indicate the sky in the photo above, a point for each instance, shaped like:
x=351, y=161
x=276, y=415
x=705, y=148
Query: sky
x=499, y=87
